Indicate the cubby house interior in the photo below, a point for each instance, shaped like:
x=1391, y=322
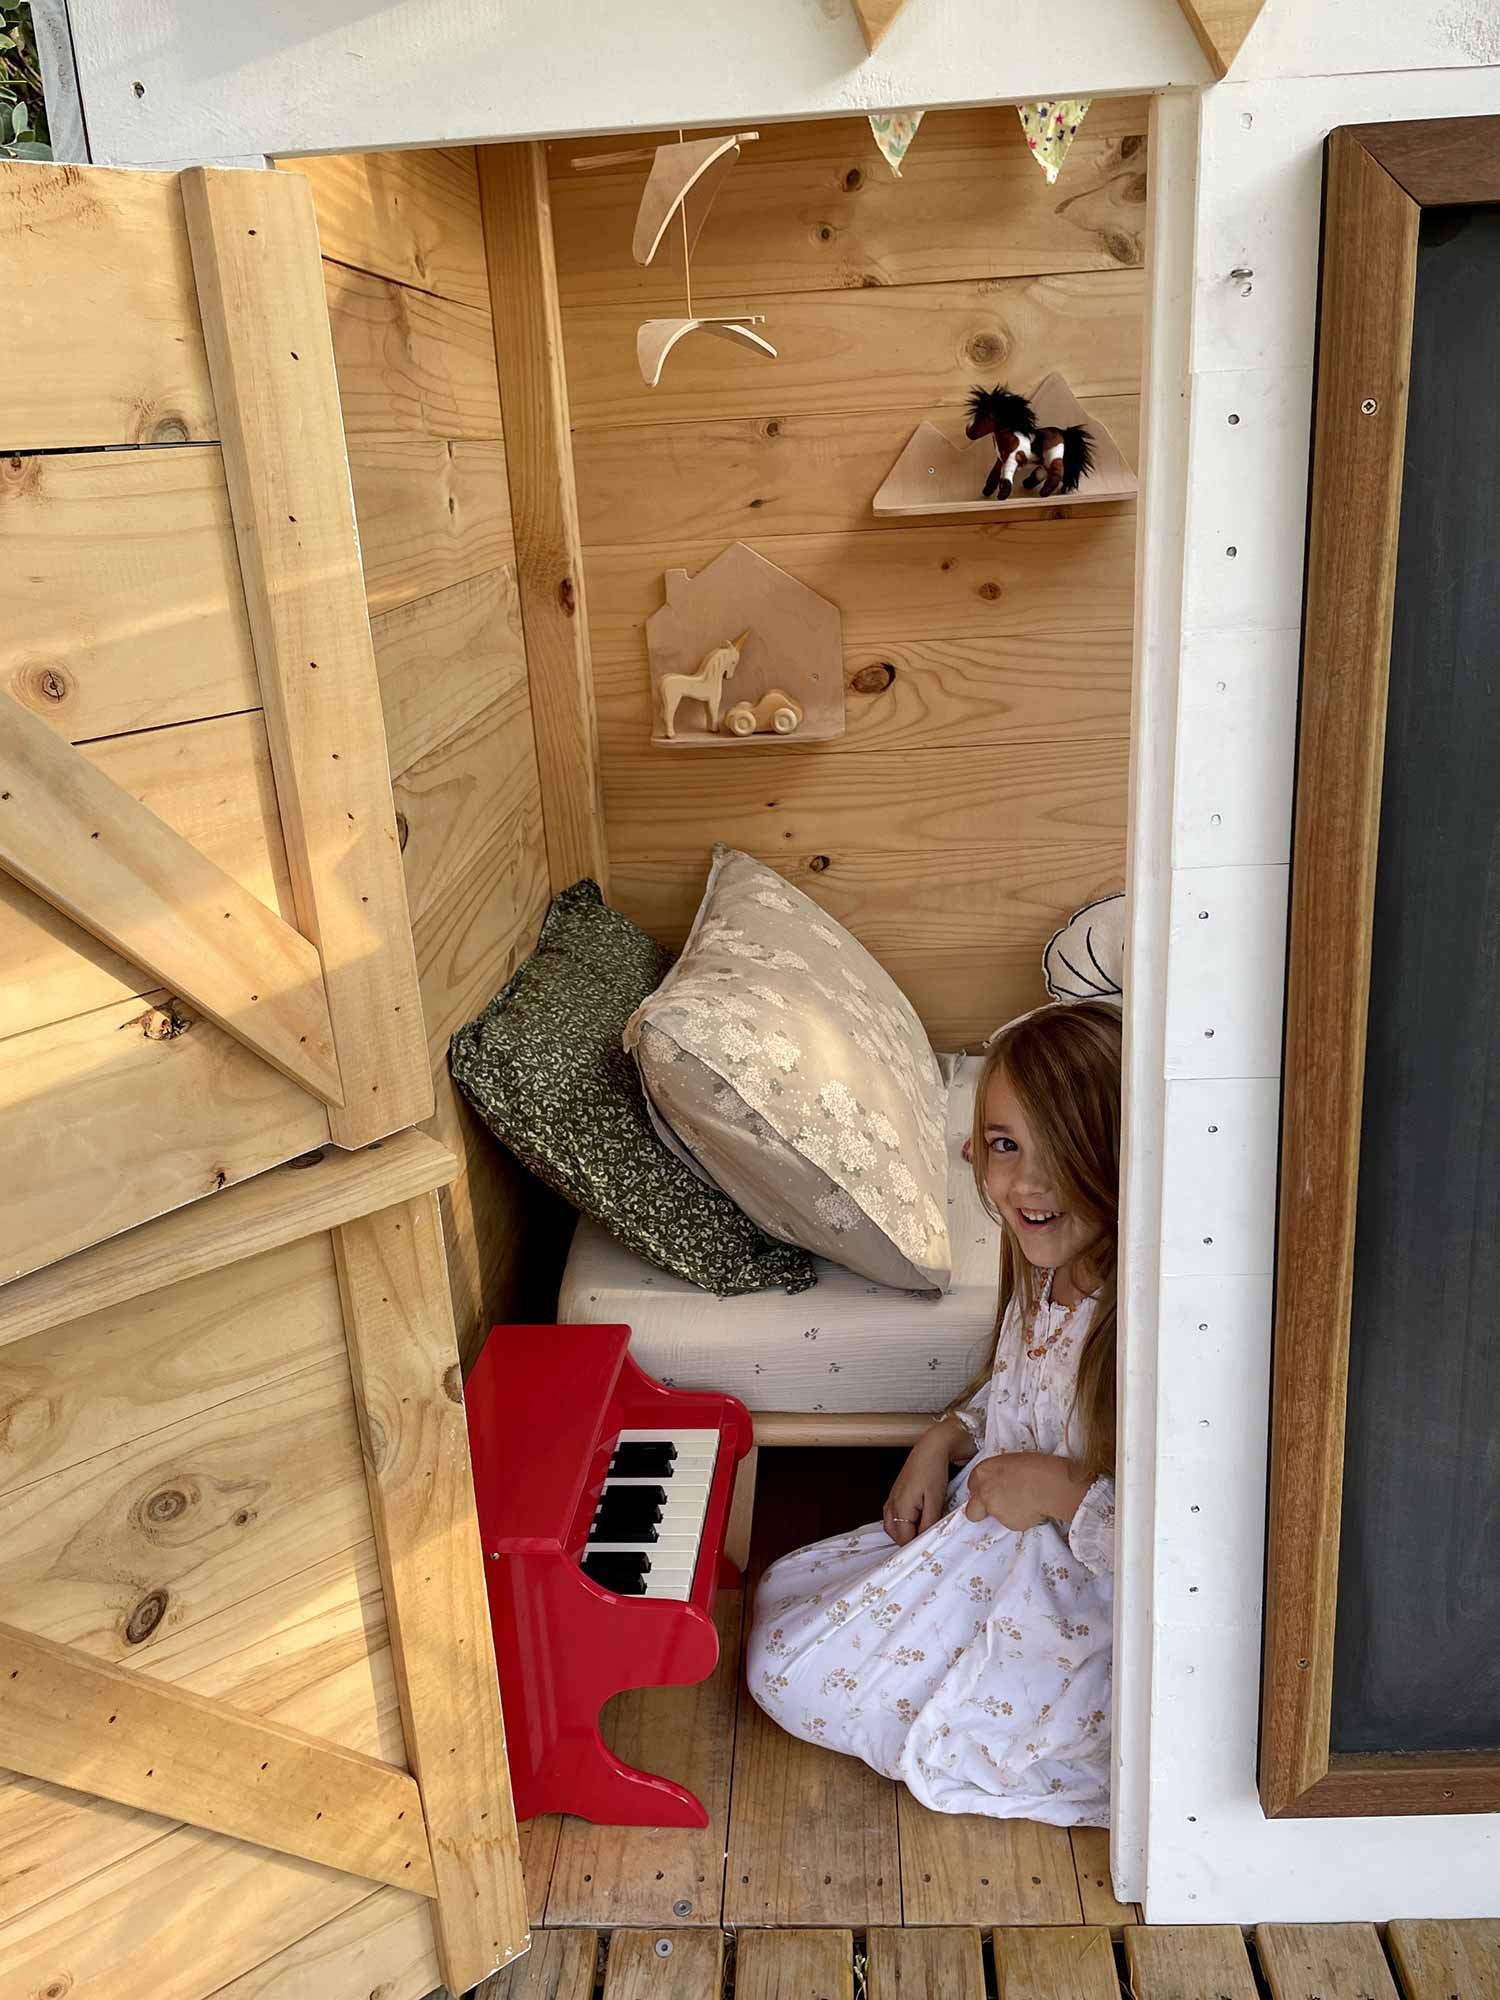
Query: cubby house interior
x=357, y=549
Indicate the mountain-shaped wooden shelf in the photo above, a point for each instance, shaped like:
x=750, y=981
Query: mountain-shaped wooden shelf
x=935, y=476
x=795, y=644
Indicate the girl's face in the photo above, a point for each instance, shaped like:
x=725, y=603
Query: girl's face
x=1020, y=1181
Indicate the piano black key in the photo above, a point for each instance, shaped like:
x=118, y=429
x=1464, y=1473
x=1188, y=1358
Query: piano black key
x=643, y=1461
x=626, y=1582
x=626, y=1520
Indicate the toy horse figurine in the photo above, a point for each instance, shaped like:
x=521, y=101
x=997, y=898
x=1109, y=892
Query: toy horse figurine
x=1059, y=459
x=707, y=685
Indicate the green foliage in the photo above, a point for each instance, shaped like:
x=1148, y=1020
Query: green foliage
x=23, y=115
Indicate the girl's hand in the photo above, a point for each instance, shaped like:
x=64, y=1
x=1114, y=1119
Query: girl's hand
x=921, y=1490
x=1021, y=1489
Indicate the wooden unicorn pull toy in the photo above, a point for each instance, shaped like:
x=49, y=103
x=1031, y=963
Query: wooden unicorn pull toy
x=707, y=685
x=1059, y=459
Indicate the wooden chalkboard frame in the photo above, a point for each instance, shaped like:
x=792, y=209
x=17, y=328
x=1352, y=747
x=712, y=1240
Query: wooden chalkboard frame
x=1379, y=180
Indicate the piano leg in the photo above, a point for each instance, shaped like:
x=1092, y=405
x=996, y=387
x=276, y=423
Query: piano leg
x=610, y=1793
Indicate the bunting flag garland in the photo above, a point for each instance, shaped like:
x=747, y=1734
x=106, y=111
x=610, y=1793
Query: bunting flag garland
x=894, y=132
x=1050, y=130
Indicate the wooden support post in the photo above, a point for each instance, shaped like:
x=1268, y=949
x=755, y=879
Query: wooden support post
x=265, y=324
x=544, y=505
x=409, y=1395
x=119, y=1735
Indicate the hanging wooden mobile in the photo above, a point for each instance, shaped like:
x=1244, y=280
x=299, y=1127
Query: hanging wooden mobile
x=680, y=190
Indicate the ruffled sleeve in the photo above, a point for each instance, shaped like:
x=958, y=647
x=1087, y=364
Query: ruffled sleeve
x=1091, y=1533
x=974, y=1414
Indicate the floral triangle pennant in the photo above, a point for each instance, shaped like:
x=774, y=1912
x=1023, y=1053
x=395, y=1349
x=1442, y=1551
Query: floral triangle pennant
x=894, y=132
x=1051, y=128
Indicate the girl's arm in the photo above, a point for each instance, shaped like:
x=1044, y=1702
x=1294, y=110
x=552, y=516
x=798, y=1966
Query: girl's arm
x=1022, y=1489
x=920, y=1493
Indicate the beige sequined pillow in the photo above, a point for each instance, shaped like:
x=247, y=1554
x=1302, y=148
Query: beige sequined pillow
x=792, y=1071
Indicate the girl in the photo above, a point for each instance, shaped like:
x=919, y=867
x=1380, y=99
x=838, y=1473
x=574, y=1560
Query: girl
x=972, y=1659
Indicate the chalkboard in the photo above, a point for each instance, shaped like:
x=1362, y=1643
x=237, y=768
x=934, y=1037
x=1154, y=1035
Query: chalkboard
x=1417, y=1645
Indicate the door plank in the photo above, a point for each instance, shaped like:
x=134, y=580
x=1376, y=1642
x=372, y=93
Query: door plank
x=913, y=1964
x=412, y=216
x=73, y=836
x=260, y=283
x=1439, y=1960
x=102, y=341
x=794, y=1965
x=559, y=1966
x=534, y=394
x=383, y=1946
x=1066, y=1963
x=812, y=1836
x=907, y=346
x=205, y=1763
x=1323, y=1962
x=124, y=608
x=963, y=1868
x=294, y=1201
x=1096, y=1889
x=125, y=1113
x=1185, y=1962
x=444, y=658
x=691, y=1969
x=409, y=1394
x=640, y=1875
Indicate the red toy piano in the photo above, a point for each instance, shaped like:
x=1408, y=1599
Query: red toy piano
x=603, y=1501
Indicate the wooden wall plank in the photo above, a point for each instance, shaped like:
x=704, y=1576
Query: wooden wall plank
x=176, y=1525
x=409, y=363
x=308, y=1194
x=185, y=1109
x=813, y=206
x=444, y=658
x=1310, y=1961
x=1029, y=577
x=212, y=783
x=74, y=837
x=411, y=216
x=962, y=1868
x=105, y=1378
x=260, y=285
x=383, y=1946
x=123, y=598
x=534, y=395
x=103, y=343
x=431, y=514
x=851, y=351
x=736, y=477
x=454, y=800
x=206, y=1763
x=408, y=1389
x=309, y=1650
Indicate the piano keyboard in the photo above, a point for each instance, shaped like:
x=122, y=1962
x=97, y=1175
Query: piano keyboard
x=647, y=1528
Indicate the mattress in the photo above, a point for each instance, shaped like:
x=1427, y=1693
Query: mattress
x=846, y=1345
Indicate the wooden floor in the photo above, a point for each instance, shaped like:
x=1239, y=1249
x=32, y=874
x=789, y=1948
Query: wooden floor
x=1414, y=1961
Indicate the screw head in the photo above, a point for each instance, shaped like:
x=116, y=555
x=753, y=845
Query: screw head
x=682, y=1907
x=664, y=1947
x=1369, y=406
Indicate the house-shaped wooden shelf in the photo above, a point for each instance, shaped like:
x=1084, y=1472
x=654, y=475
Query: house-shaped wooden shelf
x=935, y=476
x=795, y=643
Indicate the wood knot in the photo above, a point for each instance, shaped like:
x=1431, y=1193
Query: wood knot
x=990, y=591
x=819, y=863
x=874, y=679
x=42, y=686
x=1124, y=249
x=57, y=1988
x=453, y=1384
x=567, y=597
x=160, y=1024
x=376, y=1446
x=824, y=232
x=988, y=350
x=403, y=828
x=146, y=1616
x=1131, y=144
x=854, y=180
x=312, y=1159
x=170, y=429
x=772, y=427
x=168, y=1503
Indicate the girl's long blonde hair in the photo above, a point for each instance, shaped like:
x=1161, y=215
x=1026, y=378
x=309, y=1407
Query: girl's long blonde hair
x=1063, y=1063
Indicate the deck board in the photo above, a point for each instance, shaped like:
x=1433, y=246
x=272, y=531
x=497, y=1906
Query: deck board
x=1096, y=1891
x=1436, y=1960
x=794, y=1965
x=922, y=1964
x=960, y=1868
x=1324, y=1962
x=1068, y=1962
x=539, y=1838
x=652, y=1875
x=559, y=1966
x=692, y=1967
x=1187, y=1962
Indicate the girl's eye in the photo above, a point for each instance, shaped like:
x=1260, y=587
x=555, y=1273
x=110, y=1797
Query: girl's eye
x=1000, y=1144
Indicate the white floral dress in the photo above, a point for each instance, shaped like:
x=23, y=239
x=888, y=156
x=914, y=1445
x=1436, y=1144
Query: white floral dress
x=973, y=1664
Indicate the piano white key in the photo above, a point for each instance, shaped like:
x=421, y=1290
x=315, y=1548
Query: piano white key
x=684, y=1440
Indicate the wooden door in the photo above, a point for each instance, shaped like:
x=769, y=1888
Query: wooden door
x=207, y=959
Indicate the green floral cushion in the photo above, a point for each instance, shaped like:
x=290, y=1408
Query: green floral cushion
x=545, y=1068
